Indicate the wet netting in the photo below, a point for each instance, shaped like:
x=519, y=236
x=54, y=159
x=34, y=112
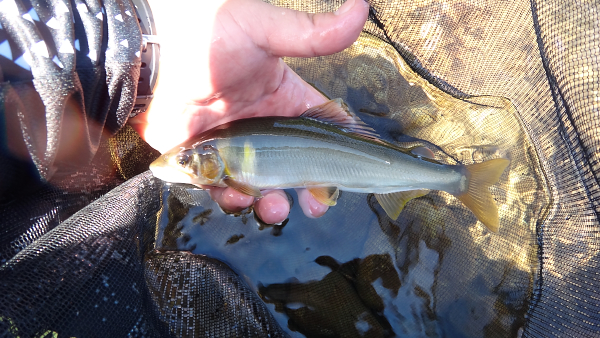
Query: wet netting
x=103, y=249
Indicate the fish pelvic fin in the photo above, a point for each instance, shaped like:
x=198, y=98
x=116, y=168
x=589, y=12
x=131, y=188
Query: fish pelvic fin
x=325, y=195
x=393, y=203
x=481, y=176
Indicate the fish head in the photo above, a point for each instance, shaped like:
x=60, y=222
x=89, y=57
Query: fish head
x=199, y=165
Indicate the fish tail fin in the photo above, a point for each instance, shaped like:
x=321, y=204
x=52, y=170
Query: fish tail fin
x=481, y=176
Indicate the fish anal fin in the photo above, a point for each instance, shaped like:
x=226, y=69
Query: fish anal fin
x=478, y=197
x=242, y=187
x=336, y=113
x=393, y=203
x=325, y=195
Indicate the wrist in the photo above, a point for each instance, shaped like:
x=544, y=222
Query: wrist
x=185, y=38
x=150, y=55
x=185, y=33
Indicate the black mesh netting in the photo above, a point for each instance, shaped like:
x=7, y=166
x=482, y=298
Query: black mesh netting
x=108, y=250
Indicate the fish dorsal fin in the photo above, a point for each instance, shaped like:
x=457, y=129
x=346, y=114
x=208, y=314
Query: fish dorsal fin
x=325, y=195
x=334, y=112
x=393, y=203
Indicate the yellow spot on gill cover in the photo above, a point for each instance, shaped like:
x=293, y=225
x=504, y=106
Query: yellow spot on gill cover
x=226, y=171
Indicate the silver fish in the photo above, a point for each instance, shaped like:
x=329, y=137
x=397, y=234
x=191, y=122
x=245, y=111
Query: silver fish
x=325, y=149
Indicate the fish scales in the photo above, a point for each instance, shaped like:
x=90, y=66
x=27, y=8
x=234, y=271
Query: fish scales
x=292, y=158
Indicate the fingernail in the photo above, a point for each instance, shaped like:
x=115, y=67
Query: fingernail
x=344, y=7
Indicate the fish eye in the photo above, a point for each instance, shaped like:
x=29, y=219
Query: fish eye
x=183, y=159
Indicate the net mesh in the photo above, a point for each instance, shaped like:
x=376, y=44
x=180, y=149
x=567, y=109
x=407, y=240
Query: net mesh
x=108, y=250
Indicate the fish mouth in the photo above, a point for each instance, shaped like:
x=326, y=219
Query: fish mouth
x=158, y=163
x=162, y=170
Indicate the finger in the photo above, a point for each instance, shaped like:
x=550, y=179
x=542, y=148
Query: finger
x=164, y=131
x=230, y=199
x=309, y=204
x=273, y=208
x=285, y=32
x=292, y=98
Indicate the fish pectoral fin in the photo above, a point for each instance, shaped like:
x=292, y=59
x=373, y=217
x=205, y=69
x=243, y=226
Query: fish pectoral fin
x=242, y=187
x=393, y=203
x=325, y=195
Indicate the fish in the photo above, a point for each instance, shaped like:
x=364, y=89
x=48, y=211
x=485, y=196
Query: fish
x=325, y=150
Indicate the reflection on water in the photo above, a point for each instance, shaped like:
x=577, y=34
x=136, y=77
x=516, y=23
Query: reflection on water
x=311, y=306
x=436, y=271
x=346, y=275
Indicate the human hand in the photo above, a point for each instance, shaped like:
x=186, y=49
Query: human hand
x=220, y=61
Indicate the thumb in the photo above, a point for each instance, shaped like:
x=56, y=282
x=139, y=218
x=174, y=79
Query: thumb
x=286, y=32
